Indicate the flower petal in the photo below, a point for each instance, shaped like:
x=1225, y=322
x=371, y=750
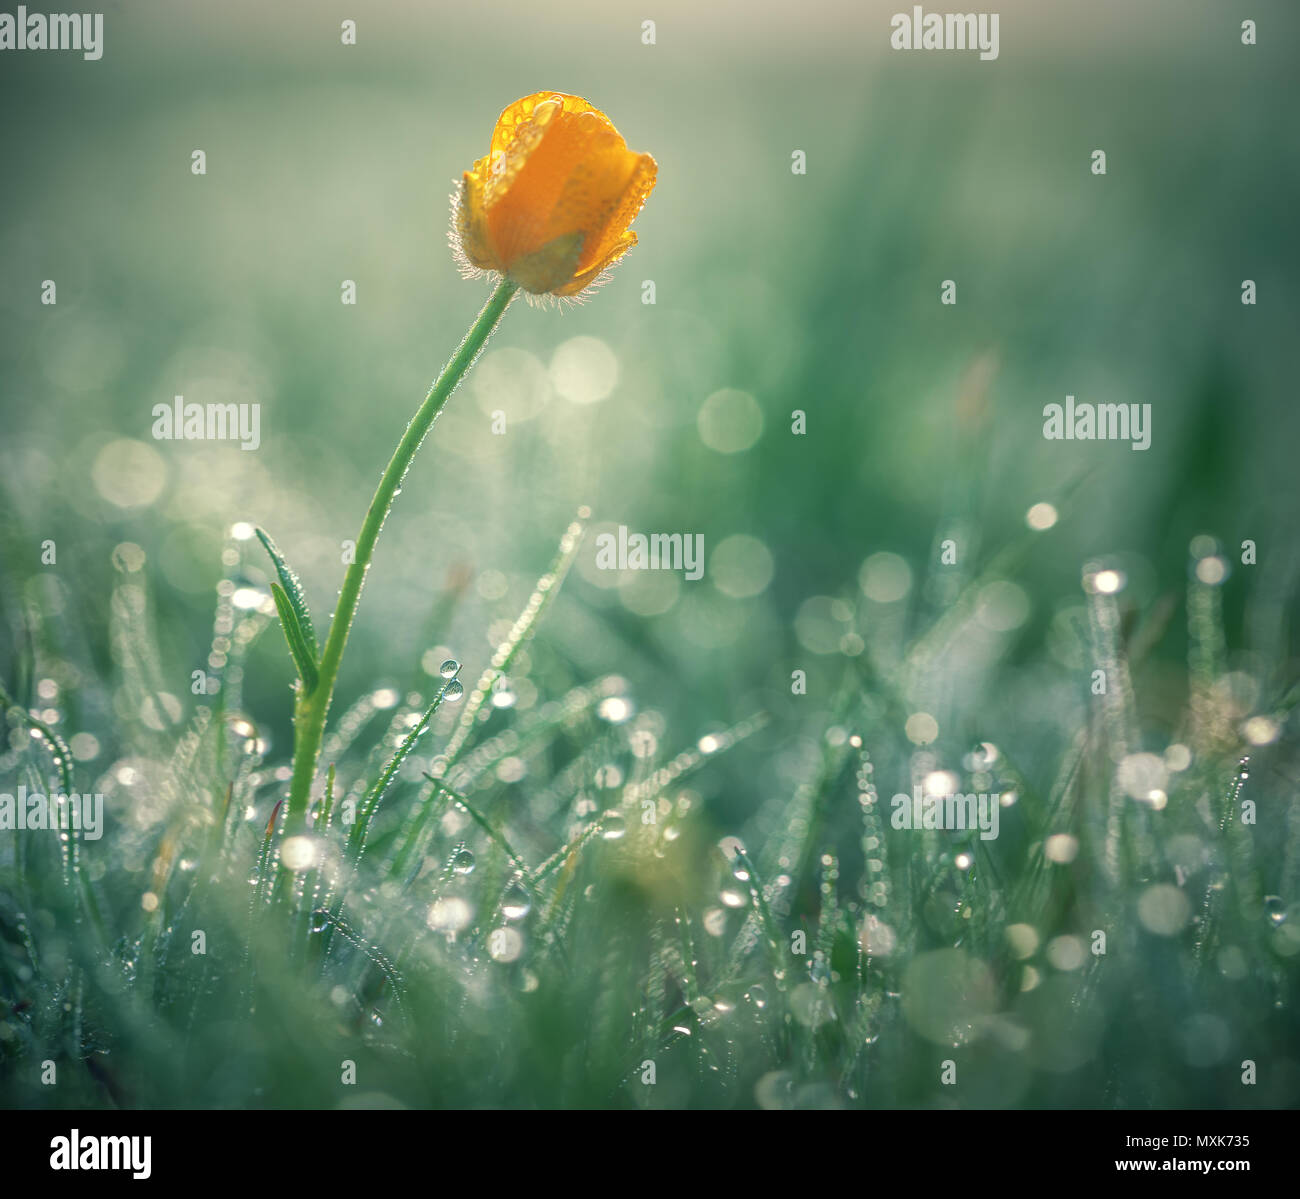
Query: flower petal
x=639, y=173
x=470, y=226
x=520, y=212
x=591, y=275
x=550, y=267
x=522, y=113
x=550, y=204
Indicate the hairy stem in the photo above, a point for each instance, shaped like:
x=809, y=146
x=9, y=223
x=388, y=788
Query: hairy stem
x=312, y=707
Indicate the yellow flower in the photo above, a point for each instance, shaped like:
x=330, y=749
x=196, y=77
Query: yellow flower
x=550, y=204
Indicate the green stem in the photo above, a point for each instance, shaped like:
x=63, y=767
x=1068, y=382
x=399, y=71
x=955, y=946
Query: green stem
x=312, y=708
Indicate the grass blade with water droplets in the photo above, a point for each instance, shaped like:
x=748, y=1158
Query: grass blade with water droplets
x=293, y=591
x=293, y=635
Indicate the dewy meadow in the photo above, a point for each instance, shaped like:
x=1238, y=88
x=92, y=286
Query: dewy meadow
x=772, y=683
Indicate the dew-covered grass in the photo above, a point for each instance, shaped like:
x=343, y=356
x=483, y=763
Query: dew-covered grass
x=630, y=841
x=493, y=907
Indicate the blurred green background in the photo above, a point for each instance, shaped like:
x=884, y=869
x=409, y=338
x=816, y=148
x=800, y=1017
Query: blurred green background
x=817, y=292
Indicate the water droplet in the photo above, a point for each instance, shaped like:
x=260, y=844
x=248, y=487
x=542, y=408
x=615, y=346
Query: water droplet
x=449, y=668
x=757, y=996
x=609, y=776
x=299, y=853
x=243, y=729
x=320, y=919
x=517, y=902
x=376, y=1019
x=450, y=914
x=740, y=868
x=615, y=709
x=453, y=691
x=1275, y=909
x=503, y=695
x=462, y=862
x=729, y=846
x=614, y=826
